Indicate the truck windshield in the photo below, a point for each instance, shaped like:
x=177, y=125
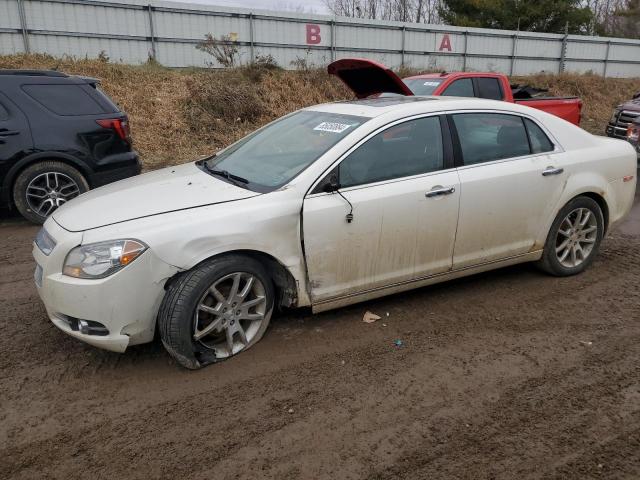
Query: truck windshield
x=270, y=158
x=423, y=86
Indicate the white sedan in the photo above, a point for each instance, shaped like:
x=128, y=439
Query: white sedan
x=328, y=206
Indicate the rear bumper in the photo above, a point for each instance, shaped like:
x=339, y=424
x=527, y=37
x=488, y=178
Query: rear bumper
x=116, y=168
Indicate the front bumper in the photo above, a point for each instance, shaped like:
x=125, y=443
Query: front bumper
x=126, y=303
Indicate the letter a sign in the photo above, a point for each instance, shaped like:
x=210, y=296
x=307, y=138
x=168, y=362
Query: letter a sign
x=445, y=43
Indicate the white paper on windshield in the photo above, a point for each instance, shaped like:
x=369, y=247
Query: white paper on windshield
x=431, y=84
x=332, y=127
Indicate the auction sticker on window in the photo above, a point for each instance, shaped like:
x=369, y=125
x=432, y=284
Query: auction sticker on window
x=332, y=127
x=432, y=84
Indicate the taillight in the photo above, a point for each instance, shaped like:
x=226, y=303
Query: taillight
x=119, y=125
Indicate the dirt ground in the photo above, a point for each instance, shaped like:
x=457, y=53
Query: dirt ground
x=505, y=375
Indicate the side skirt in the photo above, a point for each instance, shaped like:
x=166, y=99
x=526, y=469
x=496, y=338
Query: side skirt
x=352, y=298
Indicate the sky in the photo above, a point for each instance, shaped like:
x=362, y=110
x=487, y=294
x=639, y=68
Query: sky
x=309, y=6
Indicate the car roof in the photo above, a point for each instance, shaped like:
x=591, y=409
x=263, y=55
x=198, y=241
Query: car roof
x=415, y=105
x=445, y=75
x=43, y=76
x=33, y=73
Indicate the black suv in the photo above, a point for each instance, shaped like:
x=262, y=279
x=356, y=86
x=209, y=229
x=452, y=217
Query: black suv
x=59, y=136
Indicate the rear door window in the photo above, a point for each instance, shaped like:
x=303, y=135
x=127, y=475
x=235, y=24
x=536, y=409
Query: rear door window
x=485, y=137
x=540, y=143
x=460, y=88
x=489, y=88
x=64, y=99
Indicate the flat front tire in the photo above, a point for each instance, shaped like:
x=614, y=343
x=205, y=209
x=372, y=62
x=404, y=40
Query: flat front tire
x=574, y=238
x=215, y=311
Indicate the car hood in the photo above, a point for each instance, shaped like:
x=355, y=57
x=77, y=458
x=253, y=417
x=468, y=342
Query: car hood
x=632, y=105
x=161, y=191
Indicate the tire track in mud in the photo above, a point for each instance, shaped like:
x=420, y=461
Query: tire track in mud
x=492, y=382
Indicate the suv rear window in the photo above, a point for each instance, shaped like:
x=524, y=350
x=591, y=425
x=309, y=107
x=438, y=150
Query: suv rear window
x=64, y=99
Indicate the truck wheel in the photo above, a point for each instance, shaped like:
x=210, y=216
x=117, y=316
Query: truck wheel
x=215, y=311
x=41, y=188
x=574, y=238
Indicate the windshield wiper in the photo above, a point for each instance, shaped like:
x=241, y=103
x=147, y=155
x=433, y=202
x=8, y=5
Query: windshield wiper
x=226, y=174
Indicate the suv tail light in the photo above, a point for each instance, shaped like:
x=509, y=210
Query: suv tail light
x=119, y=125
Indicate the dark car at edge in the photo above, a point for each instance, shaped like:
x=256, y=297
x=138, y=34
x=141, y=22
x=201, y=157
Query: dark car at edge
x=60, y=135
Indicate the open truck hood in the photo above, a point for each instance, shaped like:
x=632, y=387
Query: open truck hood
x=366, y=77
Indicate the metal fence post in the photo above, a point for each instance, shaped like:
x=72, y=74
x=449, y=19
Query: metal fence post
x=464, y=52
x=332, y=47
x=606, y=58
x=252, y=53
x=404, y=32
x=152, y=32
x=23, y=26
x=563, y=53
x=513, y=53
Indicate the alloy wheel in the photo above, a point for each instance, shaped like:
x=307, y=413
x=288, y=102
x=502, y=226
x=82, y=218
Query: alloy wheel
x=230, y=314
x=576, y=238
x=49, y=190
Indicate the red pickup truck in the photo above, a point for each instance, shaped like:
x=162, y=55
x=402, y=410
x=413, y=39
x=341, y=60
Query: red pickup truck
x=366, y=78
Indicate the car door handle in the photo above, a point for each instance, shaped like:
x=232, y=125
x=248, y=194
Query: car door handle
x=7, y=133
x=552, y=171
x=440, y=191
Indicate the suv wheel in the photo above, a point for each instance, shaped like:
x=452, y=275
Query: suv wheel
x=43, y=187
x=216, y=310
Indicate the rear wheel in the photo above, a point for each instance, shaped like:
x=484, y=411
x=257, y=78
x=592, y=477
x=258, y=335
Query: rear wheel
x=215, y=311
x=574, y=238
x=43, y=187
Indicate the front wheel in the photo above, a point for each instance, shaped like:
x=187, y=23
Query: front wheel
x=574, y=238
x=216, y=310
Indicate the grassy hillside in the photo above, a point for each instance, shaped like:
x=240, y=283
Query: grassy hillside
x=178, y=115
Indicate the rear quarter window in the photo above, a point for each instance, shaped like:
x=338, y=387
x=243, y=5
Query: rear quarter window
x=64, y=99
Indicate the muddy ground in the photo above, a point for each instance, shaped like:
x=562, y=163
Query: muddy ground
x=507, y=375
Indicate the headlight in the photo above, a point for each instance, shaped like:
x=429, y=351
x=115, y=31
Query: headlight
x=45, y=242
x=633, y=133
x=99, y=260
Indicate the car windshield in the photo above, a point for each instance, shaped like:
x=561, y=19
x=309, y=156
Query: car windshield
x=270, y=158
x=423, y=86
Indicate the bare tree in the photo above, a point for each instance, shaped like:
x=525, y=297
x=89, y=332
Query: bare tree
x=418, y=11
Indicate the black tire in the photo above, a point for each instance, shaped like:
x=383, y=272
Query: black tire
x=178, y=308
x=30, y=173
x=550, y=262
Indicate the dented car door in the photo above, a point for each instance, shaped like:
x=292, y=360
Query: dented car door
x=386, y=214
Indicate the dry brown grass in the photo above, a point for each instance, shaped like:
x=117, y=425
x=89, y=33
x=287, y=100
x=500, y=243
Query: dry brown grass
x=179, y=115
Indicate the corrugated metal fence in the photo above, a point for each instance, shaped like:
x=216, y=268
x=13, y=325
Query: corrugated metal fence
x=133, y=31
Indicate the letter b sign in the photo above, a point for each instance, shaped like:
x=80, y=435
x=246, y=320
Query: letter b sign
x=313, y=34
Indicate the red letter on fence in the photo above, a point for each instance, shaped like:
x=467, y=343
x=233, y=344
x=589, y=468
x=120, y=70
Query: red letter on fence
x=445, y=43
x=313, y=34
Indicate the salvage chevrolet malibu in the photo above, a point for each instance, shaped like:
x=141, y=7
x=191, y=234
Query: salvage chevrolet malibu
x=328, y=206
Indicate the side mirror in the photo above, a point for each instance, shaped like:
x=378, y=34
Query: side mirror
x=332, y=185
